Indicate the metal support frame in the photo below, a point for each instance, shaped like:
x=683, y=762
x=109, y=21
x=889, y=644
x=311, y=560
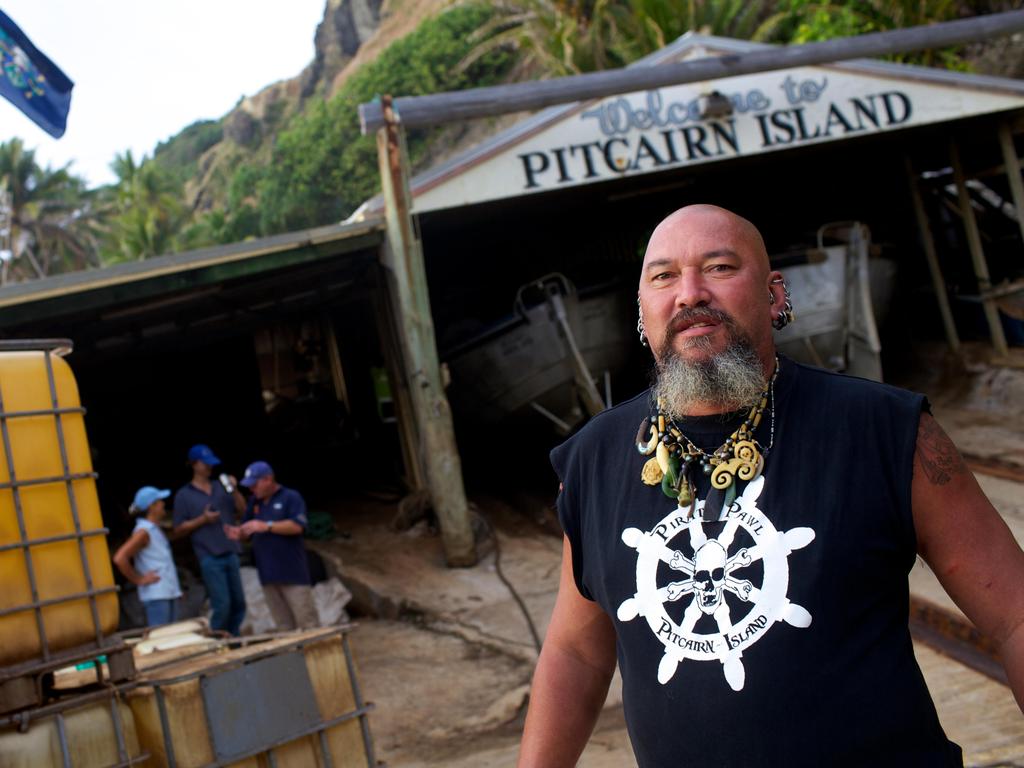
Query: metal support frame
x=931, y=255
x=1013, y=174
x=23, y=684
x=981, y=272
x=407, y=280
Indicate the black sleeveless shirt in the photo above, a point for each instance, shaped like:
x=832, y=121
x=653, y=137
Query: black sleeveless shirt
x=777, y=636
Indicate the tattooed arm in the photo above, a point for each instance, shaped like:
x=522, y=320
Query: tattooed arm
x=969, y=547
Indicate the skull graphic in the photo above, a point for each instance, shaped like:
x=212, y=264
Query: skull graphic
x=709, y=575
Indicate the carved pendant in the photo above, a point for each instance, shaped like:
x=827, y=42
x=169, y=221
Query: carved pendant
x=651, y=474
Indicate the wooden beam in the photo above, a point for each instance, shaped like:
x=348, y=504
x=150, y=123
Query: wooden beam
x=334, y=361
x=403, y=258
x=401, y=400
x=434, y=109
x=995, y=326
x=928, y=243
x=1012, y=164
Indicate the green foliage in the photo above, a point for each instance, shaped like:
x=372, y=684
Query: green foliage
x=804, y=21
x=318, y=168
x=180, y=154
x=566, y=37
x=321, y=168
x=146, y=215
x=554, y=37
x=649, y=25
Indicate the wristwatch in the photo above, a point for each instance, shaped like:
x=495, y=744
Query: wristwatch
x=270, y=526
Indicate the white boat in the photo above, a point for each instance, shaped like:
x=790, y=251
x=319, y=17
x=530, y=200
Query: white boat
x=553, y=356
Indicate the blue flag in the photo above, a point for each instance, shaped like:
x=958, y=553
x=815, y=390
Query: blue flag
x=32, y=82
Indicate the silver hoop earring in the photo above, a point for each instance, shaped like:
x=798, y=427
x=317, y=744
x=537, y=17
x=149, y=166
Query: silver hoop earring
x=640, y=322
x=787, y=315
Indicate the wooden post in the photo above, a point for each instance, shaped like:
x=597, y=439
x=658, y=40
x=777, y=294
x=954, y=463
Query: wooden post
x=938, y=283
x=403, y=254
x=995, y=326
x=1012, y=163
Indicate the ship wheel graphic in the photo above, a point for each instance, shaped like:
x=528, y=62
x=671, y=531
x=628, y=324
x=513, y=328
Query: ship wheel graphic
x=705, y=580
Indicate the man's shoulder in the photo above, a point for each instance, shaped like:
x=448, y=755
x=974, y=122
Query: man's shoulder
x=183, y=500
x=845, y=384
x=184, y=490
x=290, y=496
x=855, y=395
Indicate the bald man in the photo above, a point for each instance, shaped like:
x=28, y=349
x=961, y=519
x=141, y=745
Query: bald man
x=738, y=539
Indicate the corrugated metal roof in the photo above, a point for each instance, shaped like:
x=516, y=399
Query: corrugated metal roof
x=333, y=240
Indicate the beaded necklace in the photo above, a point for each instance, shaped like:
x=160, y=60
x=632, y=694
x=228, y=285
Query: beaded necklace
x=675, y=455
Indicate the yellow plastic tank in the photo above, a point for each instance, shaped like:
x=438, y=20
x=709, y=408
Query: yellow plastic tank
x=90, y=733
x=58, y=587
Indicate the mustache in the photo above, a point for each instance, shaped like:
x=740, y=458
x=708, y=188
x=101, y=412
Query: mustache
x=685, y=317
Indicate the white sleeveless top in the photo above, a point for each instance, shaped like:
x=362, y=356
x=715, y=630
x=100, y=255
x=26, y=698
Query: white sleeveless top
x=156, y=556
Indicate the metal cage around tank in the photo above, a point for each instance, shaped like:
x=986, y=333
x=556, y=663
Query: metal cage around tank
x=93, y=631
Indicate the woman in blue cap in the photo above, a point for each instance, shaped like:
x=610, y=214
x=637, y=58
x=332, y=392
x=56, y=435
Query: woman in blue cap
x=146, y=561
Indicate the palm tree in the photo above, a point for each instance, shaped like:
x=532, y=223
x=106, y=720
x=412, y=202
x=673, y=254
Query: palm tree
x=552, y=37
x=565, y=37
x=147, y=213
x=46, y=217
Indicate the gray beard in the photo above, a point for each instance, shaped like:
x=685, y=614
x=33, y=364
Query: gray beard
x=728, y=381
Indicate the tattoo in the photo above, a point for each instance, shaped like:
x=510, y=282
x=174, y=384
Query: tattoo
x=939, y=458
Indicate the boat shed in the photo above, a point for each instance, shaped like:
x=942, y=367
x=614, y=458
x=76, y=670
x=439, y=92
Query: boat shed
x=913, y=172
x=927, y=159
x=276, y=349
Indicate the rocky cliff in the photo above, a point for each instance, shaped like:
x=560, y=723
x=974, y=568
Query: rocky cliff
x=341, y=40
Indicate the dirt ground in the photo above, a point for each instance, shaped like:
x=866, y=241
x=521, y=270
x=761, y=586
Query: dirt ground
x=447, y=655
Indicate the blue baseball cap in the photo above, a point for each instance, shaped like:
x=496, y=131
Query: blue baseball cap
x=201, y=452
x=146, y=495
x=254, y=472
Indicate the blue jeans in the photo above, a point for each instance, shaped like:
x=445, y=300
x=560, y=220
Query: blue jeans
x=160, y=611
x=224, y=587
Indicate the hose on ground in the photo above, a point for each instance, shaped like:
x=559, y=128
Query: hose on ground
x=508, y=584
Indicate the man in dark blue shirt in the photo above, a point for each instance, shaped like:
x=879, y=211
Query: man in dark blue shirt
x=202, y=508
x=275, y=518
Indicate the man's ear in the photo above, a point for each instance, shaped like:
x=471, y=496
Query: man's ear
x=776, y=293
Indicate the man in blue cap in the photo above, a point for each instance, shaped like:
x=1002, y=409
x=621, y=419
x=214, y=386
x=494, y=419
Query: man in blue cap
x=202, y=508
x=276, y=519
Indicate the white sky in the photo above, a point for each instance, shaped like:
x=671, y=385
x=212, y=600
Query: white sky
x=144, y=69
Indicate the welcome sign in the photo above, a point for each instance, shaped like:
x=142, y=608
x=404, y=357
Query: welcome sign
x=669, y=128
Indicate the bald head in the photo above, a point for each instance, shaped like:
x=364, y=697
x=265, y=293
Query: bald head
x=710, y=222
x=706, y=285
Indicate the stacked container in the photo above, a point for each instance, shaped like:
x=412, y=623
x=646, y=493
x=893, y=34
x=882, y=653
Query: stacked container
x=286, y=701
